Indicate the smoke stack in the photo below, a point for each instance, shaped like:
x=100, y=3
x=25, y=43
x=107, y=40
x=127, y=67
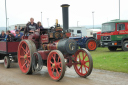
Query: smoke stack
x=65, y=16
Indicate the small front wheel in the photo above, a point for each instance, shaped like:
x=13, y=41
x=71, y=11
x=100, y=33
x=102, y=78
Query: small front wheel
x=6, y=62
x=84, y=63
x=56, y=65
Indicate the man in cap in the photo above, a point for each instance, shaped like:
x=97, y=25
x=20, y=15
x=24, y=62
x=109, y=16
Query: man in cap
x=18, y=35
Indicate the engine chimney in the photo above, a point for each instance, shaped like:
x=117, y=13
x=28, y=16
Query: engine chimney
x=65, y=16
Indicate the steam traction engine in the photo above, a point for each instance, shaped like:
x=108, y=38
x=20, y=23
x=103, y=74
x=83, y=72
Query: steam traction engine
x=53, y=48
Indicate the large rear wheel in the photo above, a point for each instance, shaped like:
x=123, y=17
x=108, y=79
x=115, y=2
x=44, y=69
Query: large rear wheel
x=56, y=65
x=84, y=63
x=25, y=51
x=91, y=44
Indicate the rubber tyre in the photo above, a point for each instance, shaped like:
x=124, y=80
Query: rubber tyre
x=6, y=62
x=112, y=48
x=94, y=44
x=124, y=47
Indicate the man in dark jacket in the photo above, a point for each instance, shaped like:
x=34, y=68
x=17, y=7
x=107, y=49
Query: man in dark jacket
x=18, y=35
x=2, y=36
x=31, y=26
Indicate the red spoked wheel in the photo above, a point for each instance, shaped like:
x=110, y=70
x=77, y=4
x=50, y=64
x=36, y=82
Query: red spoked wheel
x=91, y=44
x=25, y=51
x=56, y=65
x=84, y=63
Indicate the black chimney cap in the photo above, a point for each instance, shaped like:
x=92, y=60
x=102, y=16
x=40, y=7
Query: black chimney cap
x=65, y=5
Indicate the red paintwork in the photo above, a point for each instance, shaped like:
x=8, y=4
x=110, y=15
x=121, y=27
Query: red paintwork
x=84, y=60
x=51, y=46
x=57, y=65
x=44, y=38
x=91, y=45
x=117, y=32
x=68, y=34
x=24, y=63
x=12, y=46
x=98, y=35
x=24, y=37
x=2, y=46
x=34, y=36
x=44, y=54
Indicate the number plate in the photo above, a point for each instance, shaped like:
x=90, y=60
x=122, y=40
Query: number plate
x=105, y=43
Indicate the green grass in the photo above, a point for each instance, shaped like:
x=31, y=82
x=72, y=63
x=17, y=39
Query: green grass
x=107, y=60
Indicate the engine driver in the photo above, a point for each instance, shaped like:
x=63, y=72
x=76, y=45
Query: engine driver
x=31, y=26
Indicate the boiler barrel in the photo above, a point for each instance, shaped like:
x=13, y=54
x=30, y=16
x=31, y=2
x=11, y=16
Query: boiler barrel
x=67, y=46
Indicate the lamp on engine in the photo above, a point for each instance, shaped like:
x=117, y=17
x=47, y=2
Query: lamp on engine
x=53, y=48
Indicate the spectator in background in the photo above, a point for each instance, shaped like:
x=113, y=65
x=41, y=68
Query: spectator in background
x=2, y=36
x=10, y=37
x=18, y=35
x=7, y=33
x=15, y=28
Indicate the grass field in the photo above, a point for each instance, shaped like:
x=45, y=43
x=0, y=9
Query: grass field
x=107, y=60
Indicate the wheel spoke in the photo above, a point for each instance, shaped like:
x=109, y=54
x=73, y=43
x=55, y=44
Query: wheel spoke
x=87, y=61
x=84, y=56
x=28, y=53
x=23, y=50
x=85, y=69
x=79, y=57
x=60, y=66
x=53, y=71
x=80, y=68
x=86, y=66
x=58, y=59
x=26, y=48
x=24, y=64
x=57, y=72
x=54, y=57
x=51, y=62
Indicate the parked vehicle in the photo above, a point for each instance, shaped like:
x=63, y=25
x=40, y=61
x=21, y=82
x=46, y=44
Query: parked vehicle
x=85, y=42
x=114, y=35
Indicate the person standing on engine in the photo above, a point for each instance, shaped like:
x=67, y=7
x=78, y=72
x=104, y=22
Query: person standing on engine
x=31, y=26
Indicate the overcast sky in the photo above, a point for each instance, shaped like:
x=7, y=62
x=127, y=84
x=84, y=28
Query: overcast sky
x=20, y=11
